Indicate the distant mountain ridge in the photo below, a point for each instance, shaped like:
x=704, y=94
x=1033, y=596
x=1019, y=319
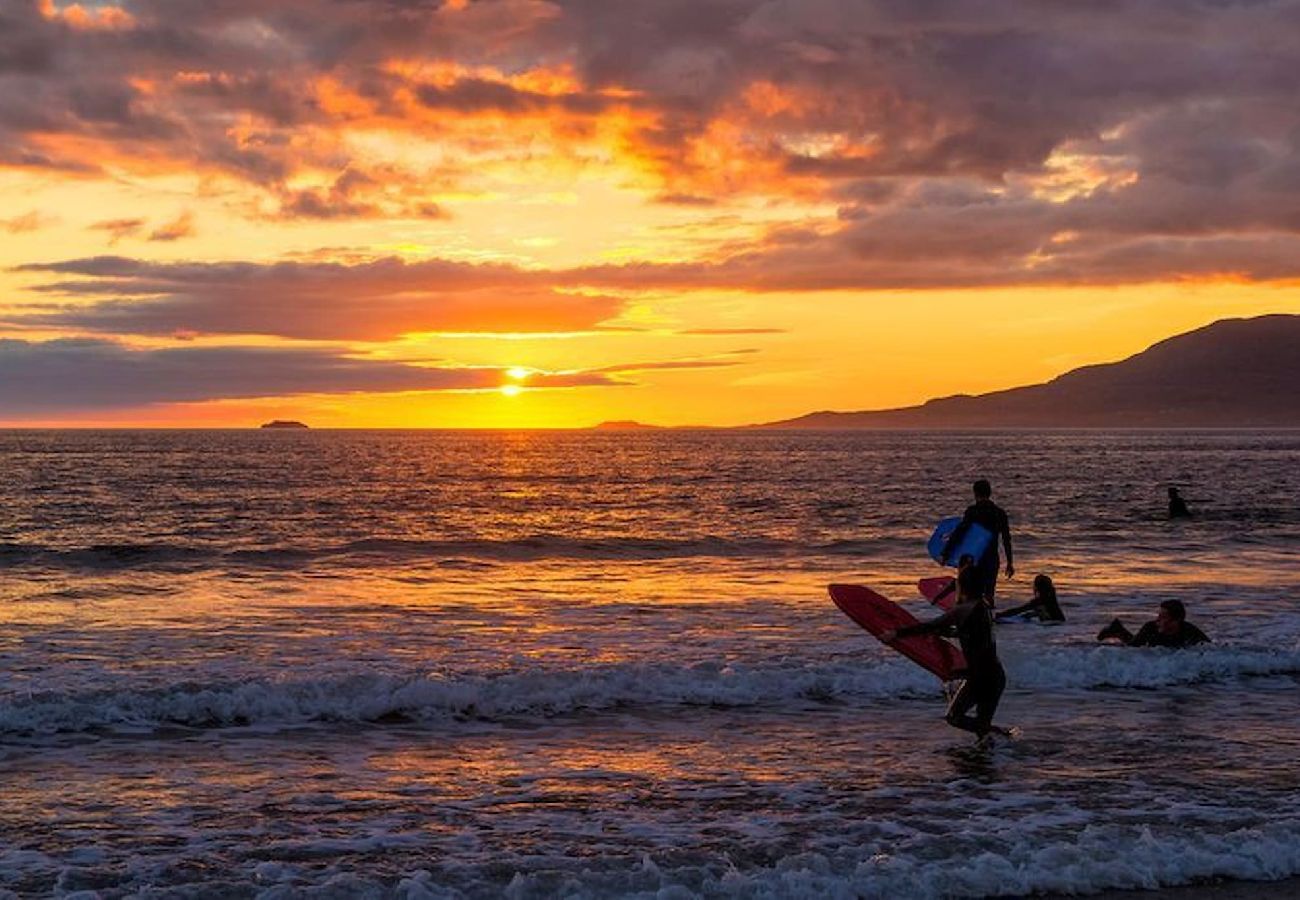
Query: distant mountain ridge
x=1231, y=373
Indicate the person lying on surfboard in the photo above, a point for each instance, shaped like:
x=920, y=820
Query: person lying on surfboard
x=1043, y=607
x=1169, y=628
x=994, y=519
x=972, y=620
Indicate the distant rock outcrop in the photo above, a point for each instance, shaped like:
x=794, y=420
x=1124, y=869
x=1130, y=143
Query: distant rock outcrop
x=625, y=425
x=1233, y=373
x=284, y=423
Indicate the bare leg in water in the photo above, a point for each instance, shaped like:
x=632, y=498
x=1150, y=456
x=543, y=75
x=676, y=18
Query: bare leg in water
x=983, y=692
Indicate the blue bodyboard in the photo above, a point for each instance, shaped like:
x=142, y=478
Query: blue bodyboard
x=976, y=541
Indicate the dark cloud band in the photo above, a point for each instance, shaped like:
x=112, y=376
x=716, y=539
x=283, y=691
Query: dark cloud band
x=71, y=375
x=376, y=300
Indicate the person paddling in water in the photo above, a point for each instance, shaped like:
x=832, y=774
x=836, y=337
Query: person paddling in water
x=994, y=519
x=1177, y=505
x=1169, y=628
x=972, y=621
x=1044, y=607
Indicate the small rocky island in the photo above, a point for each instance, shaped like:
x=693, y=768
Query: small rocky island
x=624, y=425
x=284, y=423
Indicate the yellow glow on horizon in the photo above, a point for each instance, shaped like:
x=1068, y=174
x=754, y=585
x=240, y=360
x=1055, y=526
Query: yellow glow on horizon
x=844, y=351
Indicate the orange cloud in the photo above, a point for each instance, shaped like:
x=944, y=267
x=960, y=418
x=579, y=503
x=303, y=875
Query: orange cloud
x=180, y=227
x=915, y=126
x=27, y=222
x=119, y=229
x=95, y=18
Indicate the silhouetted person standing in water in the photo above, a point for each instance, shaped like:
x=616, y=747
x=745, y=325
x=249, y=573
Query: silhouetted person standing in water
x=972, y=620
x=1178, y=506
x=993, y=518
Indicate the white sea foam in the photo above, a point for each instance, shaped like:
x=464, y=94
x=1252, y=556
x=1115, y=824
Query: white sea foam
x=539, y=693
x=1098, y=857
x=1102, y=666
x=545, y=693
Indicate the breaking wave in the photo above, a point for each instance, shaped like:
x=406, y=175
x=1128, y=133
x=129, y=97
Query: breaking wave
x=525, y=549
x=545, y=693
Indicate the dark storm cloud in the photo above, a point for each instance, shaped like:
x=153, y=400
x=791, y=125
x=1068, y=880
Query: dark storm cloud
x=92, y=374
x=27, y=47
x=161, y=89
x=324, y=301
x=356, y=194
x=1177, y=121
x=478, y=95
x=865, y=262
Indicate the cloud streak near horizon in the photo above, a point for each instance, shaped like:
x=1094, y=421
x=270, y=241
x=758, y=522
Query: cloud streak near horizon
x=371, y=301
x=94, y=373
x=98, y=373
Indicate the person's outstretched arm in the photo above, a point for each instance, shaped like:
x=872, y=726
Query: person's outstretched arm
x=934, y=626
x=1031, y=606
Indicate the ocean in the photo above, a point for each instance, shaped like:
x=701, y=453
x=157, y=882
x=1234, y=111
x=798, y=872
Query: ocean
x=588, y=664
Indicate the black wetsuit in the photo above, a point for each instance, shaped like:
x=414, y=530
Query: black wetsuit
x=993, y=518
x=972, y=620
x=1178, y=508
x=1150, y=635
x=1045, y=609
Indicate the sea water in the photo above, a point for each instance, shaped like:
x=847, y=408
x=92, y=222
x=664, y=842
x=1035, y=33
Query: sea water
x=450, y=664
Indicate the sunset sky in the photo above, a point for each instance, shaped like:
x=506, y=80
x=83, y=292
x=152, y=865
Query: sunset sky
x=411, y=213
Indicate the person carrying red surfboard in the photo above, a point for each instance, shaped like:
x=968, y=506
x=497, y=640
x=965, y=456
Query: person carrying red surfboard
x=972, y=620
x=992, y=517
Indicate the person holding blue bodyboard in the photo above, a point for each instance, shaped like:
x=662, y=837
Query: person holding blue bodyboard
x=993, y=518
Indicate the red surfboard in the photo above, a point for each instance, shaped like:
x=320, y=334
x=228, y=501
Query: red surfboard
x=941, y=591
x=877, y=615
